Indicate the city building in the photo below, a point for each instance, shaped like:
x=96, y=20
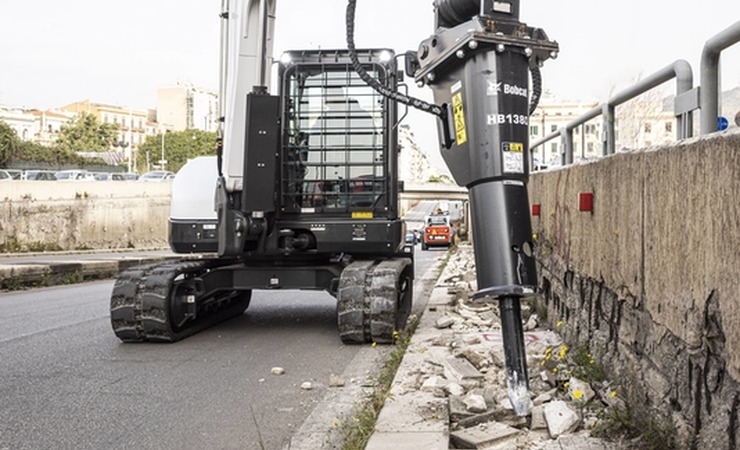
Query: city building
x=48, y=125
x=550, y=116
x=185, y=106
x=414, y=165
x=132, y=123
x=24, y=124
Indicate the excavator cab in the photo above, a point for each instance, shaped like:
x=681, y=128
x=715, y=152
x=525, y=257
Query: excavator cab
x=338, y=137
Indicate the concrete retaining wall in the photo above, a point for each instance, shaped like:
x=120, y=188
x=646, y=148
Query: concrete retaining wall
x=651, y=278
x=77, y=215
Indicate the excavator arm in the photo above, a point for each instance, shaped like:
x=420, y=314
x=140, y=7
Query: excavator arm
x=247, y=31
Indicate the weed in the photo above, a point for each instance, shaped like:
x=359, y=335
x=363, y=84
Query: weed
x=586, y=368
x=72, y=278
x=633, y=424
x=44, y=247
x=12, y=245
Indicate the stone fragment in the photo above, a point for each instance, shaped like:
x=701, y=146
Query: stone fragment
x=476, y=359
x=444, y=322
x=475, y=403
x=454, y=389
x=471, y=339
x=495, y=414
x=433, y=383
x=560, y=418
x=544, y=397
x=538, y=418
x=580, y=391
x=476, y=307
x=458, y=410
x=483, y=436
x=461, y=371
x=307, y=386
x=277, y=371
x=335, y=381
x=531, y=323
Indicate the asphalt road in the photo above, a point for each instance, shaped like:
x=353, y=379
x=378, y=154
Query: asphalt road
x=68, y=383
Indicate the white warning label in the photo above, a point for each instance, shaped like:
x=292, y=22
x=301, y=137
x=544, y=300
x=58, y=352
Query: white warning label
x=513, y=154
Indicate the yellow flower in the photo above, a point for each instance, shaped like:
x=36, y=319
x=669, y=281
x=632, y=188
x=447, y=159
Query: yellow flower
x=566, y=385
x=577, y=394
x=591, y=362
x=560, y=323
x=542, y=363
x=613, y=394
x=374, y=344
x=335, y=424
x=555, y=370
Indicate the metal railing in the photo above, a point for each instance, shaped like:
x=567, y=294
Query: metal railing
x=687, y=98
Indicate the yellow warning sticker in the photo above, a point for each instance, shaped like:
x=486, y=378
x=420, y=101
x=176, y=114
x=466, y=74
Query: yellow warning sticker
x=514, y=147
x=362, y=215
x=461, y=135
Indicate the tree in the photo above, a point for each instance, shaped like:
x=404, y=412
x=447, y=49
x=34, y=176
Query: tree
x=9, y=142
x=85, y=134
x=179, y=146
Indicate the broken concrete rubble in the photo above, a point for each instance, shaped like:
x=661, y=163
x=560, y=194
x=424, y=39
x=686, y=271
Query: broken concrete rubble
x=463, y=362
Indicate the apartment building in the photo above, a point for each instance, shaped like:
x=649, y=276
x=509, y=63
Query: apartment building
x=185, y=106
x=552, y=115
x=133, y=125
x=24, y=124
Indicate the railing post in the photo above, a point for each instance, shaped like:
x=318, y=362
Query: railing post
x=709, y=72
x=566, y=135
x=608, y=141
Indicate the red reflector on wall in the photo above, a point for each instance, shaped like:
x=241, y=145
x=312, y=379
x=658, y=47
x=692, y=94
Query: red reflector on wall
x=586, y=201
x=535, y=209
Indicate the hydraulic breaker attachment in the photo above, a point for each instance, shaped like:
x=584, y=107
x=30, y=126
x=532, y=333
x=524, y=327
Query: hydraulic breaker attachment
x=478, y=63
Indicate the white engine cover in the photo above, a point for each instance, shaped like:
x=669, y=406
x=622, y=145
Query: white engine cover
x=194, y=190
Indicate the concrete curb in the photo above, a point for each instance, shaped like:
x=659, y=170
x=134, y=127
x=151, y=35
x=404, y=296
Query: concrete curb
x=27, y=274
x=410, y=418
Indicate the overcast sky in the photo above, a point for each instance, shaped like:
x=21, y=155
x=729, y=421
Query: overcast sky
x=56, y=52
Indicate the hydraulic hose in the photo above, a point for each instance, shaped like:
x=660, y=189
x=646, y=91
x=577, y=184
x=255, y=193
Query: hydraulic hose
x=536, y=88
x=412, y=101
x=419, y=104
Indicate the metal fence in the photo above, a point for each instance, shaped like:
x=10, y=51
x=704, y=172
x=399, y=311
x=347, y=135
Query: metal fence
x=688, y=98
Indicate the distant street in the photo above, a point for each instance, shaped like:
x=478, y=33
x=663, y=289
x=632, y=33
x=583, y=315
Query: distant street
x=68, y=383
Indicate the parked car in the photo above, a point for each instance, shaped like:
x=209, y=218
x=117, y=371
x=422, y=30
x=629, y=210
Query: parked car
x=410, y=237
x=74, y=175
x=5, y=176
x=158, y=175
x=15, y=173
x=40, y=175
x=109, y=176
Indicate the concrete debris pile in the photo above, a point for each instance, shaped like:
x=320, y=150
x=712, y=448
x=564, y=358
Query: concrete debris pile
x=458, y=357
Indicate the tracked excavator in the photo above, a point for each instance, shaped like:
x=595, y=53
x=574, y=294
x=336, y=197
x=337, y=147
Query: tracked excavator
x=303, y=193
